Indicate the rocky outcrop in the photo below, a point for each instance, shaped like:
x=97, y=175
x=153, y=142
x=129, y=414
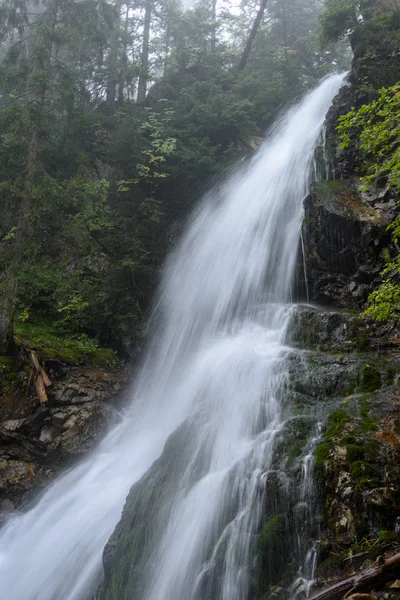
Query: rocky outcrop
x=356, y=363
x=345, y=237
x=345, y=228
x=38, y=441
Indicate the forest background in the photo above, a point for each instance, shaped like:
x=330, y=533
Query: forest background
x=114, y=116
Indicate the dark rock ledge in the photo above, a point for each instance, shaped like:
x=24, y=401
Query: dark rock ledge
x=38, y=441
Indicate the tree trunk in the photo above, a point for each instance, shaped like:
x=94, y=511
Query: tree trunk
x=123, y=79
x=112, y=63
x=144, y=67
x=284, y=32
x=246, y=52
x=7, y=323
x=213, y=25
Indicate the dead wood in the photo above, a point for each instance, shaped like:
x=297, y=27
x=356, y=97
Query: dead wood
x=365, y=581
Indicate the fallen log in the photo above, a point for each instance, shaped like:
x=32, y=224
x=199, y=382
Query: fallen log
x=35, y=360
x=365, y=581
x=39, y=377
x=46, y=380
x=41, y=389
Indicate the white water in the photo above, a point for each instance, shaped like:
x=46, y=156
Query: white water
x=215, y=361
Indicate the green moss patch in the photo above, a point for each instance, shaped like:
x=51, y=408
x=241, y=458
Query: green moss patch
x=364, y=473
x=370, y=379
x=321, y=453
x=336, y=422
x=354, y=452
x=70, y=349
x=272, y=531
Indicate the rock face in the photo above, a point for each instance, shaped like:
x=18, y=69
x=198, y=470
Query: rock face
x=357, y=463
x=348, y=378
x=37, y=442
x=344, y=236
x=345, y=228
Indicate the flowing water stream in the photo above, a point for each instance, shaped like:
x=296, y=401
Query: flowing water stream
x=214, y=375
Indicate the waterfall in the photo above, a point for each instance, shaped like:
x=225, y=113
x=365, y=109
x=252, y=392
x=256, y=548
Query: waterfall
x=206, y=407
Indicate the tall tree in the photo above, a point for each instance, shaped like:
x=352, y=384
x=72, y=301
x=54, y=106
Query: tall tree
x=36, y=89
x=144, y=65
x=253, y=32
x=213, y=25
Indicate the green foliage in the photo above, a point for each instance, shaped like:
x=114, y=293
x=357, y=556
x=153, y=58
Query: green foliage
x=370, y=379
x=358, y=19
x=384, y=303
x=336, y=422
x=51, y=344
x=93, y=185
x=321, y=454
x=338, y=19
x=374, y=546
x=373, y=133
x=271, y=532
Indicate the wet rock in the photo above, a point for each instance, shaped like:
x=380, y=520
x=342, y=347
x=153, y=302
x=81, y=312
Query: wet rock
x=16, y=475
x=85, y=384
x=75, y=429
x=361, y=481
x=340, y=331
x=343, y=239
x=42, y=440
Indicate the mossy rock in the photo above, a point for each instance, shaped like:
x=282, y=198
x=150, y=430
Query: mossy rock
x=337, y=420
x=273, y=548
x=371, y=379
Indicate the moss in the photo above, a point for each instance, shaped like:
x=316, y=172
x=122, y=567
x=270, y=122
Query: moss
x=272, y=531
x=333, y=186
x=272, y=551
x=364, y=473
x=362, y=343
x=359, y=339
x=353, y=331
x=370, y=379
x=354, y=452
x=50, y=344
x=372, y=448
x=374, y=546
x=295, y=451
x=390, y=376
x=367, y=423
x=321, y=453
x=385, y=254
x=336, y=422
x=387, y=537
x=349, y=439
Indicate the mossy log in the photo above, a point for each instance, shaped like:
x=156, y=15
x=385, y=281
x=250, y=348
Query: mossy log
x=375, y=577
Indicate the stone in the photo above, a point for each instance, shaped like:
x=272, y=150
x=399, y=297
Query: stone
x=343, y=239
x=36, y=442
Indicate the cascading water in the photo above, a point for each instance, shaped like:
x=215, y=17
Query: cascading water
x=211, y=385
